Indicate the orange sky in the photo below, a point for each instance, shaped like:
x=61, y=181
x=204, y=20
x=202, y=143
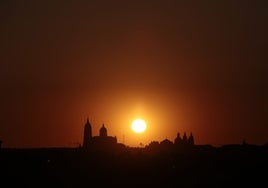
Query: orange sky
x=181, y=66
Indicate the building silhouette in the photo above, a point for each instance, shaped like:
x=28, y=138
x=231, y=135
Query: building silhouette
x=191, y=139
x=104, y=142
x=87, y=134
x=101, y=141
x=184, y=141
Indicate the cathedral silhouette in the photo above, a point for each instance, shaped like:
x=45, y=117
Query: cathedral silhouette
x=101, y=141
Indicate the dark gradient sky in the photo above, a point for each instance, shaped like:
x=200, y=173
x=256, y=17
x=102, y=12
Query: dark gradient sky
x=187, y=66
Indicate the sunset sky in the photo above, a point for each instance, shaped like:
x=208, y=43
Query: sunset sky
x=182, y=66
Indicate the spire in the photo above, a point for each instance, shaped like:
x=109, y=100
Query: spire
x=191, y=139
x=87, y=134
x=184, y=138
x=178, y=135
x=178, y=139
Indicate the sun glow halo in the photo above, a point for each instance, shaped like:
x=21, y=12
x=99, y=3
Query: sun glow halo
x=138, y=126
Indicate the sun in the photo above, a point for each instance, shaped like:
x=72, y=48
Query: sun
x=138, y=126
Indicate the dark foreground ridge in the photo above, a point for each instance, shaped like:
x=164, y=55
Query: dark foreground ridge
x=153, y=166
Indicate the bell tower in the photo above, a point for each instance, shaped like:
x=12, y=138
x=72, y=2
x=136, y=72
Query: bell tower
x=87, y=134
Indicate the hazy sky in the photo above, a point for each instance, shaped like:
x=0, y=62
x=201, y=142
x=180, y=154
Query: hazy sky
x=183, y=66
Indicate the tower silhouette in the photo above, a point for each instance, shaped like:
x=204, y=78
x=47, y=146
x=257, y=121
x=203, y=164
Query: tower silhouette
x=178, y=139
x=184, y=138
x=102, y=141
x=87, y=134
x=191, y=139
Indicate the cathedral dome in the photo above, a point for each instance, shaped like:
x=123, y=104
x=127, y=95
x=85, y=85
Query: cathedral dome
x=103, y=131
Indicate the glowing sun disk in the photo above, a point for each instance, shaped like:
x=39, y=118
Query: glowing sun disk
x=138, y=125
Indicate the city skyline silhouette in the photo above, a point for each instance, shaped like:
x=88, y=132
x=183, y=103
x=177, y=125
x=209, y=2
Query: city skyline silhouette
x=103, y=139
x=101, y=161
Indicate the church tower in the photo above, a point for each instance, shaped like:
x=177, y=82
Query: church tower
x=87, y=134
x=191, y=139
x=184, y=138
x=178, y=139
